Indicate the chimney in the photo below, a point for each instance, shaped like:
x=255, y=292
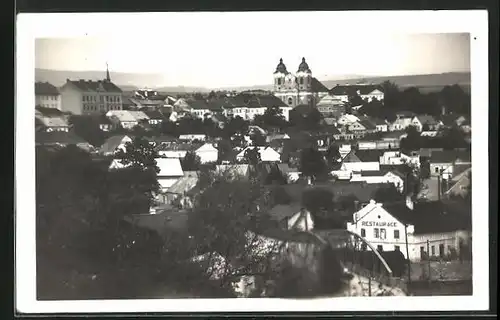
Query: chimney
x=356, y=205
x=409, y=202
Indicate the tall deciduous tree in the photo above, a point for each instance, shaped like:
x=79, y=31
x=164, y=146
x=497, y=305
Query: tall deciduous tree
x=191, y=162
x=252, y=156
x=312, y=163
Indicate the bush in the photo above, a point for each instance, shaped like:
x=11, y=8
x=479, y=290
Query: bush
x=280, y=196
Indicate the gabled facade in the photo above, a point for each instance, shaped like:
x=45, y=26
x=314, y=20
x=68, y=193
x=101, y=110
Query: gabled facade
x=47, y=95
x=87, y=97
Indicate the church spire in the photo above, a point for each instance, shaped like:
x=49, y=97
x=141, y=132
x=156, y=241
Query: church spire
x=108, y=78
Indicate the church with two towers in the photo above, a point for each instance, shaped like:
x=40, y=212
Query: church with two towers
x=300, y=88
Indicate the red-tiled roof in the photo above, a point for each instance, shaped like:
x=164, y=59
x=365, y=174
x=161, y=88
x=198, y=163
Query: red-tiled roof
x=45, y=88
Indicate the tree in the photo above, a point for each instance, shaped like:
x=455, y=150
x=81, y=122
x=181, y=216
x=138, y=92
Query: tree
x=318, y=199
x=312, y=163
x=271, y=119
x=235, y=125
x=333, y=156
x=169, y=128
x=224, y=221
x=280, y=196
x=87, y=127
x=313, y=119
x=275, y=176
x=191, y=162
x=252, y=156
x=388, y=194
x=258, y=139
x=141, y=171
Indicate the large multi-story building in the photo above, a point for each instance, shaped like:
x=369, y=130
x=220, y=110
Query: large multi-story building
x=297, y=89
x=90, y=97
x=47, y=96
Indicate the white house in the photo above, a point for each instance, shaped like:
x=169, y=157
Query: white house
x=51, y=124
x=398, y=158
x=47, y=96
x=207, y=153
x=425, y=123
x=401, y=123
x=170, y=172
x=127, y=119
x=431, y=228
x=379, y=177
x=352, y=163
x=114, y=144
x=193, y=137
x=347, y=119
x=267, y=154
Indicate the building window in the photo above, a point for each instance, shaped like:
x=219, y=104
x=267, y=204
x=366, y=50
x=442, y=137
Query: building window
x=376, y=233
x=396, y=248
x=290, y=101
x=383, y=235
x=363, y=232
x=436, y=170
x=363, y=246
x=433, y=250
x=279, y=82
x=441, y=250
x=301, y=80
x=380, y=248
x=396, y=234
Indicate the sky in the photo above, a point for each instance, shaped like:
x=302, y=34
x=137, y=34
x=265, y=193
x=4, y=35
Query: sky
x=232, y=50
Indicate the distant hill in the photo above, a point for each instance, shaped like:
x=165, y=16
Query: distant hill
x=427, y=82
x=133, y=81
x=423, y=80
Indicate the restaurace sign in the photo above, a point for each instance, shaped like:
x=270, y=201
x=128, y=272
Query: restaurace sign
x=378, y=224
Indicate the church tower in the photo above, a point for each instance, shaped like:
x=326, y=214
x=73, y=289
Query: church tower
x=304, y=83
x=279, y=76
x=108, y=78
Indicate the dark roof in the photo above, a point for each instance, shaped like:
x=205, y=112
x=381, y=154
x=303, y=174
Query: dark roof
x=45, y=88
x=281, y=67
x=303, y=66
x=197, y=104
x=351, y=157
x=154, y=114
x=353, y=89
x=377, y=121
x=302, y=109
x=373, y=173
x=404, y=114
x=283, y=211
x=162, y=138
x=368, y=124
x=50, y=112
x=268, y=100
x=430, y=217
x=90, y=119
x=317, y=86
x=427, y=119
x=369, y=155
x=61, y=137
x=449, y=156
x=100, y=85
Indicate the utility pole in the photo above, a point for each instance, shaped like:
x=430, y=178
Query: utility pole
x=439, y=185
x=429, y=260
x=407, y=254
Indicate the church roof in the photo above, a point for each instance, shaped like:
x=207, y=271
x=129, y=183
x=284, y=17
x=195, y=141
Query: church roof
x=317, y=86
x=281, y=68
x=303, y=66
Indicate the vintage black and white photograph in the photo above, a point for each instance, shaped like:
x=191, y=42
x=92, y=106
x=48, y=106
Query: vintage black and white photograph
x=249, y=156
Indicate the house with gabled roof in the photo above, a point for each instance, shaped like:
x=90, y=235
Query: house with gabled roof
x=442, y=163
x=362, y=125
x=87, y=96
x=425, y=123
x=114, y=143
x=366, y=92
x=127, y=119
x=352, y=163
x=61, y=139
x=459, y=184
x=443, y=227
x=47, y=95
